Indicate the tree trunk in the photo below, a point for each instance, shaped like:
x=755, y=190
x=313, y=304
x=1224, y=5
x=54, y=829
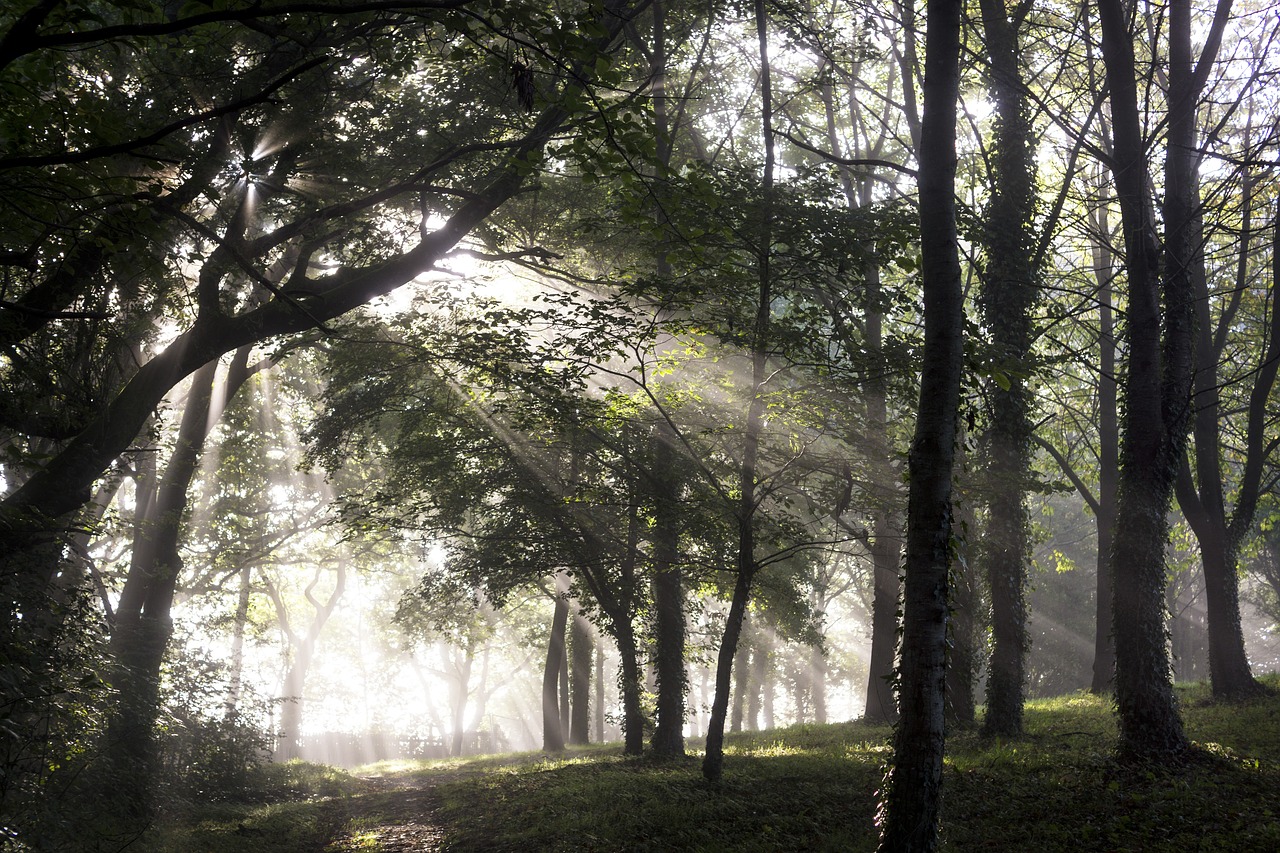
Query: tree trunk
x=1203, y=502
x=1157, y=393
x=461, y=692
x=881, y=706
x=237, y=640
x=818, y=680
x=966, y=623
x=143, y=624
x=552, y=731
x=741, y=682
x=304, y=649
x=1104, y=652
x=632, y=708
x=1008, y=294
x=713, y=761
x=599, y=719
x=668, y=598
x=913, y=792
x=581, y=649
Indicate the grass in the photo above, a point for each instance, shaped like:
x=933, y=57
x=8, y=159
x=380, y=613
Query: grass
x=1058, y=788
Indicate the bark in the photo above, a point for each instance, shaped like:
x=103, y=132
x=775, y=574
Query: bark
x=599, y=716
x=552, y=730
x=1008, y=293
x=581, y=649
x=142, y=624
x=668, y=602
x=966, y=622
x=913, y=792
x=881, y=705
x=741, y=681
x=1104, y=652
x=461, y=690
x=1156, y=398
x=630, y=687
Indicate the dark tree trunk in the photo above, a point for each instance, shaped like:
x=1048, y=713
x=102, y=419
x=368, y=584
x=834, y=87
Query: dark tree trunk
x=966, y=623
x=1104, y=652
x=881, y=705
x=1157, y=394
x=630, y=686
x=552, y=730
x=581, y=649
x=668, y=602
x=913, y=792
x=142, y=624
x=1009, y=292
x=599, y=716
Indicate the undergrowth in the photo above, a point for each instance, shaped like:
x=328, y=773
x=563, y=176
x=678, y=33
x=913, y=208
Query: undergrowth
x=808, y=787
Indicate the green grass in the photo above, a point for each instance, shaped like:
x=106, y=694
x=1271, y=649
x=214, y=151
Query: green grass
x=810, y=787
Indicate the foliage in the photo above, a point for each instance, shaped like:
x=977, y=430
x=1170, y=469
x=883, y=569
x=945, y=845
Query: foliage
x=49, y=722
x=208, y=751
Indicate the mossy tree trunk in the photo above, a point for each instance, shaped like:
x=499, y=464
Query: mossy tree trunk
x=912, y=801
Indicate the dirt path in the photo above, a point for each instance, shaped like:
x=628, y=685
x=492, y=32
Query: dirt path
x=398, y=815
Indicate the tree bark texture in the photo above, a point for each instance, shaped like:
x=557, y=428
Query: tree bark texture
x=1156, y=401
x=552, y=730
x=1008, y=294
x=912, y=802
x=668, y=601
x=581, y=649
x=1104, y=652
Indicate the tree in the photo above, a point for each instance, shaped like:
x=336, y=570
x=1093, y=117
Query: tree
x=1009, y=292
x=1158, y=384
x=912, y=800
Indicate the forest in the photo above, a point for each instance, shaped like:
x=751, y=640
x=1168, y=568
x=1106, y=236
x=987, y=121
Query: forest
x=623, y=381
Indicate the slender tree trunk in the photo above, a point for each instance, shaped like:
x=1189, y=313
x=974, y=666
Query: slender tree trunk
x=668, y=601
x=552, y=730
x=886, y=552
x=818, y=676
x=630, y=686
x=913, y=792
x=461, y=692
x=1104, y=652
x=741, y=681
x=581, y=647
x=713, y=761
x=293, y=690
x=599, y=716
x=966, y=622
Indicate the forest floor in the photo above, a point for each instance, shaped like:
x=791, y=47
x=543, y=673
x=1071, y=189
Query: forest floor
x=809, y=787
